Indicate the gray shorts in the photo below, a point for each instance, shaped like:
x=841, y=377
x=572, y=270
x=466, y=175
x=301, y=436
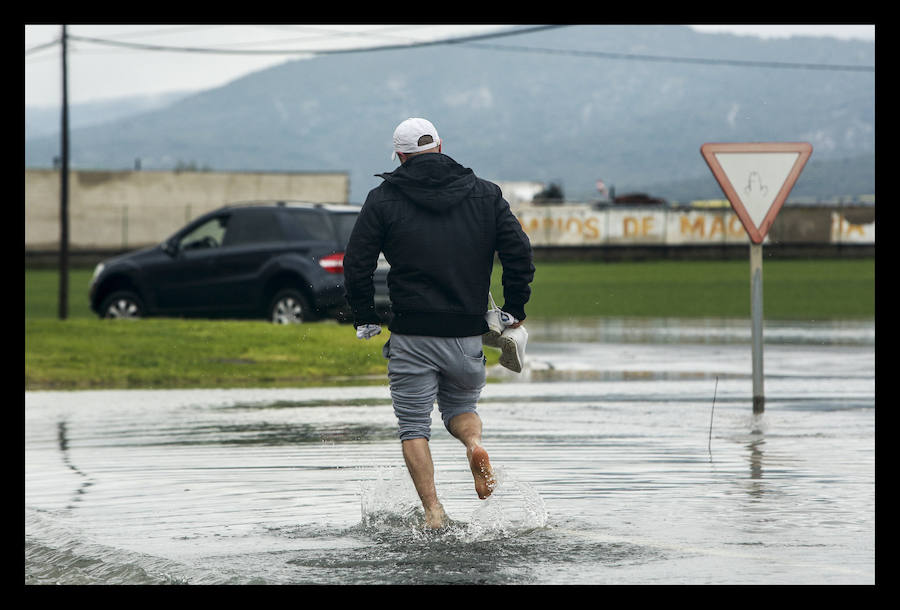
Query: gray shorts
x=421, y=370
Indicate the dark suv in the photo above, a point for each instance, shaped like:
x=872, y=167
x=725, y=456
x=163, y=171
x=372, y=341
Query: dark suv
x=278, y=260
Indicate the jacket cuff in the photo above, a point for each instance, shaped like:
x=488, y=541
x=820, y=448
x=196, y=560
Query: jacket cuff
x=366, y=315
x=518, y=311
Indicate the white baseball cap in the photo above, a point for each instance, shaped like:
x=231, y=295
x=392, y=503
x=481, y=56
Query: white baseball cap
x=407, y=134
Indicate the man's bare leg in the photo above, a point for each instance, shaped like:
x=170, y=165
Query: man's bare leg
x=467, y=428
x=417, y=455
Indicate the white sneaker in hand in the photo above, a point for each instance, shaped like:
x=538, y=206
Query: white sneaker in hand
x=367, y=331
x=495, y=327
x=512, y=341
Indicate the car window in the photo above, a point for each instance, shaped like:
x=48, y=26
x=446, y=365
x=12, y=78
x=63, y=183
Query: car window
x=252, y=226
x=344, y=222
x=210, y=234
x=307, y=225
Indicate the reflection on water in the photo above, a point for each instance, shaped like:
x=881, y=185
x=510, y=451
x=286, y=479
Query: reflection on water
x=700, y=330
x=611, y=468
x=756, y=464
x=64, y=450
x=642, y=349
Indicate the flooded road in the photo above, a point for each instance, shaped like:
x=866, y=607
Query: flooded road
x=626, y=453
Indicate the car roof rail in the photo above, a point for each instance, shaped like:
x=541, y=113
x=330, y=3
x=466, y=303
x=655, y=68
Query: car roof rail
x=289, y=202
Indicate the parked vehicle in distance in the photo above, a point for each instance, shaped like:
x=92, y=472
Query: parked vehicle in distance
x=279, y=260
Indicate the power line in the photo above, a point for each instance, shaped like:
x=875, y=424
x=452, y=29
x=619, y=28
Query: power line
x=318, y=32
x=315, y=33
x=671, y=59
x=177, y=29
x=471, y=41
x=224, y=51
x=43, y=46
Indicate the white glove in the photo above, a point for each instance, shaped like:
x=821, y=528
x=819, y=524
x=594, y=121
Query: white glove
x=367, y=331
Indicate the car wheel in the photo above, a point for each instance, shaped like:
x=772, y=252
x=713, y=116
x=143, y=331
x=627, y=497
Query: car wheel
x=290, y=307
x=122, y=305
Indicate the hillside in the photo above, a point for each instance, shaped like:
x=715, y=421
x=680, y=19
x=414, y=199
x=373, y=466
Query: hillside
x=521, y=115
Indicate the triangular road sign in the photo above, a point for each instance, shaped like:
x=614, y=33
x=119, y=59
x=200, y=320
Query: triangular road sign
x=756, y=177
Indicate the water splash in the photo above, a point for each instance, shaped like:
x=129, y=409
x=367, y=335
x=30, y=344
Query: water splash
x=390, y=506
x=515, y=507
x=389, y=500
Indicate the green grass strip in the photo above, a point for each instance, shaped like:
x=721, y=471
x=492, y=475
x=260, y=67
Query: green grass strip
x=170, y=353
x=85, y=352
x=792, y=289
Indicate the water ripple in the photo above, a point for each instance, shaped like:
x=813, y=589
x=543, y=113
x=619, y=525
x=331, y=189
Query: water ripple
x=619, y=475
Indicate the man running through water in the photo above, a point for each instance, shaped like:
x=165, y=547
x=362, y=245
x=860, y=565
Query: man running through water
x=439, y=226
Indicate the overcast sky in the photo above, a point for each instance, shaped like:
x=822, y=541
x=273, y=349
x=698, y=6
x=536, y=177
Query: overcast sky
x=99, y=72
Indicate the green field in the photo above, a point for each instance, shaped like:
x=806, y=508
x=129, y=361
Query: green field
x=792, y=289
x=85, y=352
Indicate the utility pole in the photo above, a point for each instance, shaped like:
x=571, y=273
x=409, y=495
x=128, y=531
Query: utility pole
x=64, y=191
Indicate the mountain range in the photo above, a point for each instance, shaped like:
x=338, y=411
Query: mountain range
x=627, y=104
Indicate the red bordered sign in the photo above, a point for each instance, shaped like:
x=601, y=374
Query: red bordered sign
x=756, y=177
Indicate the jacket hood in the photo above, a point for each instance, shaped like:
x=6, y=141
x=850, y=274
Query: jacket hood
x=433, y=181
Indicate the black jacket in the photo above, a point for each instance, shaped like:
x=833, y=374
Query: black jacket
x=439, y=226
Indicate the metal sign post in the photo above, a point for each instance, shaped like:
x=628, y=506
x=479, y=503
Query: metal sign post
x=756, y=177
x=756, y=313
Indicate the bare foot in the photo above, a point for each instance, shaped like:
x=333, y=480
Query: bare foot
x=436, y=518
x=482, y=471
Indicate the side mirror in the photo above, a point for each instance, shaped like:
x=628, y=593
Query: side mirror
x=170, y=247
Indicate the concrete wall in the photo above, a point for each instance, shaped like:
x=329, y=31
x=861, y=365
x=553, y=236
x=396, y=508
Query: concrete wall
x=124, y=210
x=586, y=226
x=129, y=209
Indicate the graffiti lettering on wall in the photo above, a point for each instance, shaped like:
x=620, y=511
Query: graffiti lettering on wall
x=571, y=228
x=714, y=227
x=586, y=226
x=843, y=230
